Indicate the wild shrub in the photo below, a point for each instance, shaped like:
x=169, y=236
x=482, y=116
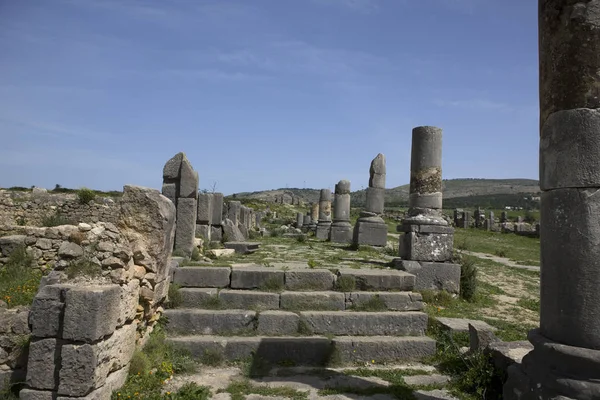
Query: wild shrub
x=468, y=278
x=56, y=219
x=85, y=195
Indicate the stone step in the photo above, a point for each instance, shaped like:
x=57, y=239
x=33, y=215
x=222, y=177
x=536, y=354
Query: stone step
x=242, y=247
x=309, y=351
x=213, y=298
x=275, y=279
x=281, y=323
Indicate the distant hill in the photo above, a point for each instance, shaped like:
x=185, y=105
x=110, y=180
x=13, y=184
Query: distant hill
x=495, y=193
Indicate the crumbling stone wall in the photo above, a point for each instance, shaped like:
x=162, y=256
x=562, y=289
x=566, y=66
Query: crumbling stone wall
x=31, y=208
x=14, y=335
x=84, y=329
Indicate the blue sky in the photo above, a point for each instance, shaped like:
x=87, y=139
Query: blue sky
x=263, y=94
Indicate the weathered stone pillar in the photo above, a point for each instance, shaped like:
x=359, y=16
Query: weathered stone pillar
x=180, y=185
x=324, y=224
x=565, y=361
x=466, y=219
x=427, y=243
x=314, y=216
x=299, y=220
x=370, y=228
x=504, y=217
x=341, y=229
x=306, y=223
x=478, y=217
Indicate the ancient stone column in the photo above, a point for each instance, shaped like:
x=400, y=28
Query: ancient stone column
x=426, y=245
x=299, y=220
x=565, y=361
x=478, y=218
x=324, y=224
x=341, y=229
x=306, y=222
x=314, y=216
x=370, y=228
x=504, y=217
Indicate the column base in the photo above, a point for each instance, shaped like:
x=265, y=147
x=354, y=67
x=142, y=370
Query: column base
x=554, y=371
x=432, y=243
x=323, y=229
x=341, y=232
x=370, y=231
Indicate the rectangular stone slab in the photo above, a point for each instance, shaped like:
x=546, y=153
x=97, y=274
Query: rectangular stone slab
x=202, y=277
x=256, y=277
x=209, y=322
x=364, y=323
x=309, y=279
x=379, y=279
x=249, y=299
x=300, y=301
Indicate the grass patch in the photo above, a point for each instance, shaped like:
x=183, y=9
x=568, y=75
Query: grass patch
x=468, y=278
x=239, y=389
x=345, y=283
x=175, y=298
x=19, y=282
x=530, y=304
x=520, y=248
x=55, y=219
x=150, y=367
x=212, y=357
x=472, y=374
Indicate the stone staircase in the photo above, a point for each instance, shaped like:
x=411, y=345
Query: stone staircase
x=299, y=316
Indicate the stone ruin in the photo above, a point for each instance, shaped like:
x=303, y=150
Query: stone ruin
x=426, y=242
x=200, y=214
x=370, y=228
x=83, y=331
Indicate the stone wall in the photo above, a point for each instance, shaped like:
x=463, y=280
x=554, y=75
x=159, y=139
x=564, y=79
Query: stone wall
x=14, y=335
x=84, y=327
x=31, y=208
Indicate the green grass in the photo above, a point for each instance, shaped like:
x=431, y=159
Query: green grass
x=517, y=248
x=152, y=366
x=19, y=282
x=241, y=388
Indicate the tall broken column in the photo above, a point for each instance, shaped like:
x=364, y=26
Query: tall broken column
x=427, y=242
x=341, y=229
x=324, y=224
x=565, y=361
x=180, y=185
x=370, y=228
